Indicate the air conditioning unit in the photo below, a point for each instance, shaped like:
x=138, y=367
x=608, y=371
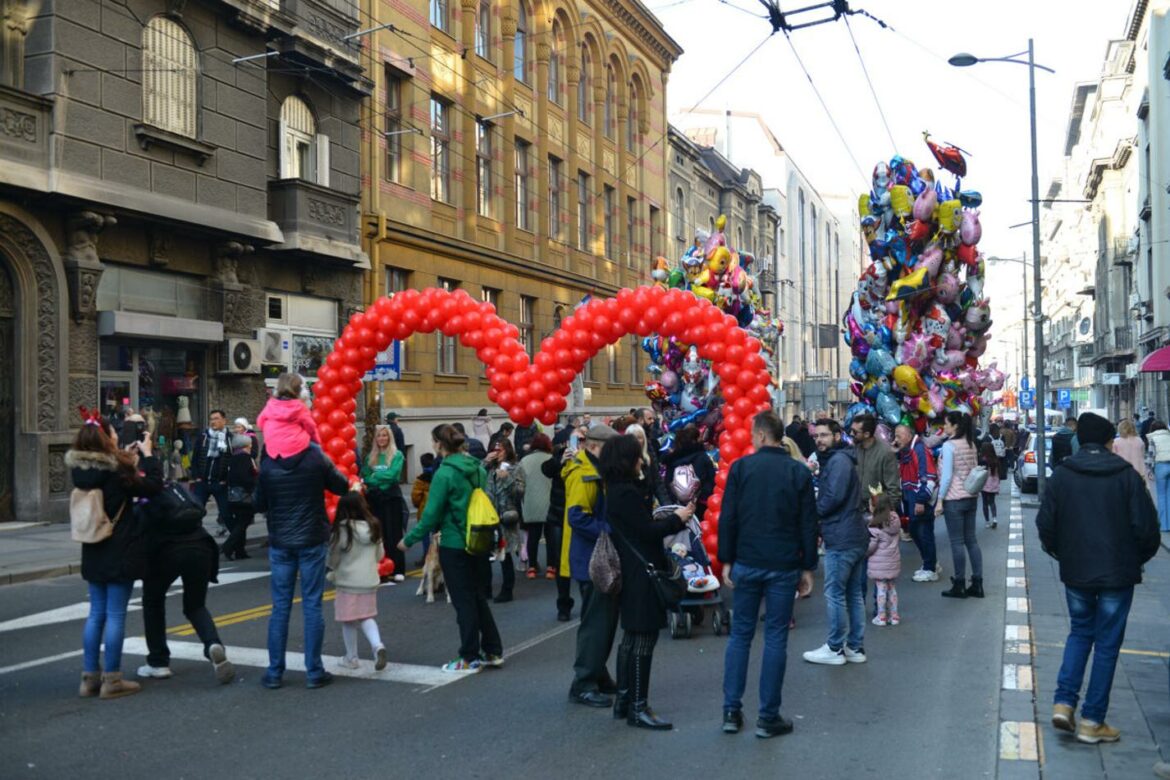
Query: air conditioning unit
x=275, y=346
x=239, y=356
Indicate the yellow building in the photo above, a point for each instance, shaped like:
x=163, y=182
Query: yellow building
x=516, y=150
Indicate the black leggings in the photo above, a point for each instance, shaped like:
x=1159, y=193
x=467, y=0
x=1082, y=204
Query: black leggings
x=989, y=512
x=535, y=531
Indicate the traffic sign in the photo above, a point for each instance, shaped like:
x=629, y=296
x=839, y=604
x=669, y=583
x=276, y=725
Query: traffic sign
x=387, y=364
x=1024, y=384
x=1027, y=400
x=1064, y=398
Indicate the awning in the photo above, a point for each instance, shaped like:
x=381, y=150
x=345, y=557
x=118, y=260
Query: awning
x=1158, y=360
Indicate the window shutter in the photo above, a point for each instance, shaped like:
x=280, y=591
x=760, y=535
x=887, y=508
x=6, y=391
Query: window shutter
x=286, y=151
x=322, y=160
x=169, y=79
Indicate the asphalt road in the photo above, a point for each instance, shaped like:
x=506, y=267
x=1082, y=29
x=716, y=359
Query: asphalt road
x=925, y=705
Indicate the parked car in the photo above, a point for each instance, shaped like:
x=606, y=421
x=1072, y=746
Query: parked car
x=1025, y=473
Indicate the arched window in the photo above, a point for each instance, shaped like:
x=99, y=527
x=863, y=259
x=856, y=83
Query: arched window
x=483, y=29
x=520, y=46
x=678, y=214
x=584, y=91
x=169, y=74
x=610, y=97
x=304, y=153
x=632, y=120
x=739, y=240
x=554, y=64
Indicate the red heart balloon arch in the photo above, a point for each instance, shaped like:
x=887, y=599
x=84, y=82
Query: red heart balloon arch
x=536, y=390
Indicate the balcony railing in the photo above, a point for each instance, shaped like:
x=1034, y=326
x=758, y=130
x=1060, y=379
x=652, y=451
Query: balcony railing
x=1122, y=340
x=1086, y=354
x=315, y=219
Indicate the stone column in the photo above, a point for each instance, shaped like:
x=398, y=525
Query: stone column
x=507, y=143
x=541, y=228
x=572, y=161
x=464, y=157
x=83, y=273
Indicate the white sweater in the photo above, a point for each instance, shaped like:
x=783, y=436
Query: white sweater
x=1159, y=442
x=355, y=569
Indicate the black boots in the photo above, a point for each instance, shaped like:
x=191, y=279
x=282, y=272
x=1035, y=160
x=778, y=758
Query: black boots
x=621, y=703
x=640, y=715
x=958, y=589
x=976, y=589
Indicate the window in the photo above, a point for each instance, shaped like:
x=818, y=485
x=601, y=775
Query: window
x=610, y=96
x=635, y=361
x=445, y=345
x=555, y=198
x=523, y=220
x=397, y=280
x=583, y=211
x=677, y=212
x=520, y=46
x=607, y=222
x=528, y=324
x=304, y=151
x=483, y=168
x=632, y=122
x=483, y=29
x=738, y=239
x=554, y=64
x=490, y=295
x=655, y=229
x=440, y=150
x=393, y=104
x=583, y=91
x=587, y=374
x=611, y=358
x=169, y=77
x=631, y=227
x=440, y=17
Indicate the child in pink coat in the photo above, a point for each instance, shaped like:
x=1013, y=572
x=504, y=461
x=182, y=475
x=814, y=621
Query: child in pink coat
x=286, y=422
x=885, y=557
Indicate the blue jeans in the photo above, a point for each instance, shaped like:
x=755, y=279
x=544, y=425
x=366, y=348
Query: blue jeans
x=777, y=589
x=203, y=489
x=922, y=532
x=1162, y=484
x=845, y=587
x=106, y=622
x=1097, y=623
x=286, y=563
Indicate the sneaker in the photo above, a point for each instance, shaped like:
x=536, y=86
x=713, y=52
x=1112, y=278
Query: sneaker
x=459, y=666
x=854, y=656
x=1064, y=718
x=894, y=620
x=492, y=660
x=825, y=655
x=878, y=620
x=550, y=573
x=1091, y=732
x=319, y=682
x=531, y=573
x=995, y=524
x=906, y=537
x=920, y=575
x=987, y=524
x=1162, y=769
x=766, y=729
x=224, y=671
x=349, y=663
x=399, y=578
x=937, y=569
x=157, y=672
x=732, y=721
x=380, y=658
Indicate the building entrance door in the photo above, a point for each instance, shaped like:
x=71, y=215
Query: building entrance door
x=7, y=393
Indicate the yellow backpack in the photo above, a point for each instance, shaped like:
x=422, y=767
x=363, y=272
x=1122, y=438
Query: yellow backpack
x=483, y=524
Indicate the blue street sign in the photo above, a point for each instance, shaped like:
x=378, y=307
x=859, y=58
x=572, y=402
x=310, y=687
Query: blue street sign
x=1027, y=400
x=1024, y=384
x=1064, y=398
x=387, y=365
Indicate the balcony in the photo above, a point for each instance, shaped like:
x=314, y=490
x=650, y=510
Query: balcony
x=318, y=39
x=1123, y=251
x=1123, y=341
x=1086, y=354
x=316, y=221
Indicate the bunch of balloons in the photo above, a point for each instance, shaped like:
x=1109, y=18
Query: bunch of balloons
x=919, y=320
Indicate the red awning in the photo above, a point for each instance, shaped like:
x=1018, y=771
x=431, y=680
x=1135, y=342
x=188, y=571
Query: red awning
x=1158, y=360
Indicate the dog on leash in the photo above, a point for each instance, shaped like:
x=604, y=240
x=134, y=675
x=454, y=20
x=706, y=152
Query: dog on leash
x=432, y=574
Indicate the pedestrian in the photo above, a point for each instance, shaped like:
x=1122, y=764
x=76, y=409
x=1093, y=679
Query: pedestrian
x=209, y=462
x=1147, y=424
x=534, y=508
x=1064, y=442
x=768, y=547
x=241, y=484
x=884, y=558
x=919, y=473
x=481, y=427
x=989, y=459
x=584, y=520
x=555, y=526
x=475, y=447
x=290, y=490
x=396, y=431
x=646, y=418
x=468, y=578
x=421, y=489
x=505, y=432
x=382, y=476
x=1098, y=522
x=505, y=487
x=180, y=549
x=1010, y=451
x=522, y=440
x=650, y=480
x=957, y=460
x=637, y=535
x=355, y=546
x=242, y=427
x=798, y=431
x=1159, y=444
x=877, y=465
x=846, y=541
x=690, y=474
x=995, y=438
x=1128, y=446
x=109, y=567
x=285, y=421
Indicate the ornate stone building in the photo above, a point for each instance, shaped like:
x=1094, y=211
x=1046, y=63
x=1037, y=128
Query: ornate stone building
x=517, y=150
x=178, y=214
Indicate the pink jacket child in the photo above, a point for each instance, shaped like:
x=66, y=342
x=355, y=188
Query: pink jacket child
x=885, y=558
x=288, y=427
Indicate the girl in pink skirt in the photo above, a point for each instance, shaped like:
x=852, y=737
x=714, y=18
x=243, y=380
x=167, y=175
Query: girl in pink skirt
x=354, y=549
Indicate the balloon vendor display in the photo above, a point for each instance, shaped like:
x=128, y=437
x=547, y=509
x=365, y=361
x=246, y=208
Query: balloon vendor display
x=536, y=389
x=920, y=319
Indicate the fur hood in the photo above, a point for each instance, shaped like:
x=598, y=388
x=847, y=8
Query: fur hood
x=98, y=461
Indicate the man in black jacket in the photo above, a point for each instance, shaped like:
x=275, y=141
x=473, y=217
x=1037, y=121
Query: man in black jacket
x=768, y=547
x=292, y=492
x=209, y=466
x=1098, y=521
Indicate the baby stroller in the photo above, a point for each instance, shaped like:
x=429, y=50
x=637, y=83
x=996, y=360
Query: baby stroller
x=686, y=549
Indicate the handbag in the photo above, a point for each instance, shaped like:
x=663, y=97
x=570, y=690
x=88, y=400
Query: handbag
x=975, y=480
x=669, y=584
x=238, y=494
x=605, y=567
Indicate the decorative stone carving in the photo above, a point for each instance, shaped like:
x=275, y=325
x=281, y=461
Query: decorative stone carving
x=242, y=310
x=227, y=263
x=14, y=26
x=469, y=6
x=573, y=73
x=556, y=130
x=84, y=347
x=543, y=51
x=609, y=161
x=83, y=268
x=58, y=481
x=18, y=125
x=599, y=91
x=160, y=248
x=83, y=391
x=508, y=23
x=326, y=213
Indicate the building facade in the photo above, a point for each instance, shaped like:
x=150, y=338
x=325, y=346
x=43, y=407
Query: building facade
x=517, y=150
x=178, y=215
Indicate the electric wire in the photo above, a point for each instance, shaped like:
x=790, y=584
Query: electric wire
x=872, y=91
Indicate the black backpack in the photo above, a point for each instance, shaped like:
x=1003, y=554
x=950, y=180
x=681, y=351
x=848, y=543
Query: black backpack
x=174, y=511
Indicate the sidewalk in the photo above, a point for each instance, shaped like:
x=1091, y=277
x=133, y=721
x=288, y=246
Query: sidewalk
x=1140, y=701
x=33, y=551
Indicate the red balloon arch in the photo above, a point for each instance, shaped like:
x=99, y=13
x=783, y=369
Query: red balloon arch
x=536, y=390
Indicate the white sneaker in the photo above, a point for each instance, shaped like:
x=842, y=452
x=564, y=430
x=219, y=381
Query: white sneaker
x=854, y=656
x=879, y=621
x=399, y=578
x=906, y=537
x=349, y=663
x=921, y=575
x=825, y=655
x=938, y=568
x=157, y=672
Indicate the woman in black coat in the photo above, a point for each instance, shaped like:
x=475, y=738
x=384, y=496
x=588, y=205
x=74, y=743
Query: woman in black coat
x=688, y=451
x=638, y=536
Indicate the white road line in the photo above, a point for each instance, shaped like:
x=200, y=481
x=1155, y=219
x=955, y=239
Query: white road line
x=40, y=661
x=1015, y=604
x=1017, y=582
x=1017, y=633
x=1017, y=677
x=1017, y=741
x=1014, y=563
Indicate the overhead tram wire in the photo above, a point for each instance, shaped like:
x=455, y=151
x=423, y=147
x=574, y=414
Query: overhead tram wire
x=869, y=81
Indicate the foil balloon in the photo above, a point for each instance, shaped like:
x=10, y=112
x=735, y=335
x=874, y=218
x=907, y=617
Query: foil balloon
x=949, y=157
x=888, y=409
x=908, y=381
x=879, y=362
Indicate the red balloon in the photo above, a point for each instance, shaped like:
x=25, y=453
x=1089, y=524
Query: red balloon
x=732, y=392
x=743, y=407
x=340, y=393
x=534, y=408
x=759, y=394
x=516, y=413
x=349, y=405
x=747, y=380
x=735, y=353
x=720, y=480
x=741, y=438
x=726, y=452
x=714, y=504
x=335, y=446
x=505, y=399
x=348, y=458
x=673, y=324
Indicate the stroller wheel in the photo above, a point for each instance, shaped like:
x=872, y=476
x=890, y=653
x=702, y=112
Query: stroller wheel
x=673, y=623
x=686, y=625
x=717, y=622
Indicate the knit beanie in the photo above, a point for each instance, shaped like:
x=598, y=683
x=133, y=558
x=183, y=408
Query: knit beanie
x=1094, y=429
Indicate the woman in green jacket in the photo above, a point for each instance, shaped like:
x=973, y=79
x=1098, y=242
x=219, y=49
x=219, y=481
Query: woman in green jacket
x=468, y=578
x=381, y=473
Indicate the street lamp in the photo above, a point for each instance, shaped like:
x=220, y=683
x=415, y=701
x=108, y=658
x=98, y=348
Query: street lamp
x=963, y=60
x=1024, y=296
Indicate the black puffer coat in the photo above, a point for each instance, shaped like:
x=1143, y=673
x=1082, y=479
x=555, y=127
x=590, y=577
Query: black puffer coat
x=630, y=515
x=292, y=493
x=122, y=557
x=695, y=456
